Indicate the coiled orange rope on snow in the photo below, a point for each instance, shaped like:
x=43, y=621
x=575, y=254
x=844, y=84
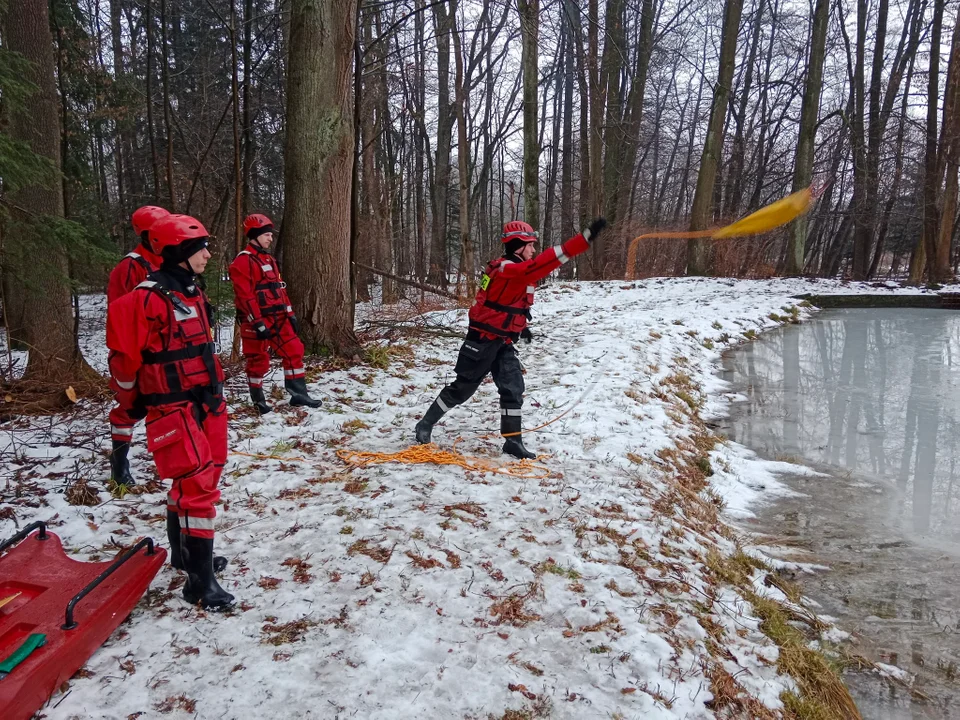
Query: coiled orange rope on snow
x=431, y=454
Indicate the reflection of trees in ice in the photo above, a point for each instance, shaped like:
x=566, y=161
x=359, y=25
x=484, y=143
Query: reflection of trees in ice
x=875, y=392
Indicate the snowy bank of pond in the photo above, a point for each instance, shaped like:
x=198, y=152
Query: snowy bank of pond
x=612, y=588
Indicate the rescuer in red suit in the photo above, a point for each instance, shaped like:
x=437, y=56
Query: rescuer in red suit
x=163, y=358
x=498, y=318
x=132, y=270
x=266, y=317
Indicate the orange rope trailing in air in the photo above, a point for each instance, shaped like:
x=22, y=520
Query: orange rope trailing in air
x=763, y=220
x=431, y=454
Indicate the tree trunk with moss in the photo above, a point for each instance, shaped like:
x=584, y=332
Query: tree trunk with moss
x=318, y=171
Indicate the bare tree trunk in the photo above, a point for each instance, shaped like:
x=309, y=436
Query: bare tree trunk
x=463, y=158
x=148, y=28
x=164, y=76
x=238, y=184
x=931, y=182
x=319, y=155
x=33, y=254
x=446, y=114
x=809, y=113
x=699, y=251
x=529, y=30
x=247, y=127
x=949, y=158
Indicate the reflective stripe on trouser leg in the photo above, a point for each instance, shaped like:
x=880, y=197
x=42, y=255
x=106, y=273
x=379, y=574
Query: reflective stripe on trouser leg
x=511, y=411
x=256, y=359
x=254, y=382
x=121, y=425
x=289, y=349
x=197, y=526
x=456, y=393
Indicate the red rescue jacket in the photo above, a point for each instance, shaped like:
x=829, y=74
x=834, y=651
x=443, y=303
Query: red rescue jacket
x=502, y=307
x=258, y=290
x=132, y=270
x=161, y=347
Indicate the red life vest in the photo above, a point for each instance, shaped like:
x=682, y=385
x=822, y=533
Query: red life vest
x=269, y=289
x=132, y=270
x=502, y=307
x=180, y=362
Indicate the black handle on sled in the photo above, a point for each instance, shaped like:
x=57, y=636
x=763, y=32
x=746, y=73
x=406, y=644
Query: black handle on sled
x=69, y=623
x=42, y=535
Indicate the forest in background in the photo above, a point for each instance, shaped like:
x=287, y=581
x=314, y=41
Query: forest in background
x=401, y=134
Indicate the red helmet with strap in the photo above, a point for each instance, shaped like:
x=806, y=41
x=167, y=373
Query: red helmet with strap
x=175, y=231
x=518, y=230
x=143, y=218
x=258, y=223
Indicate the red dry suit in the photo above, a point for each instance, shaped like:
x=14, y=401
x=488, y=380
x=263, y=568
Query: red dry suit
x=162, y=357
x=132, y=270
x=260, y=294
x=503, y=304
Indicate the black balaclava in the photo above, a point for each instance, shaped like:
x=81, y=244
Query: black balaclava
x=254, y=233
x=512, y=247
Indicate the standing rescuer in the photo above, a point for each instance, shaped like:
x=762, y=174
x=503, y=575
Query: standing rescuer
x=162, y=357
x=498, y=318
x=132, y=270
x=266, y=317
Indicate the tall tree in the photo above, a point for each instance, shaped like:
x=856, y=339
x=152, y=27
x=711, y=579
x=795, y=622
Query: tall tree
x=530, y=32
x=443, y=24
x=35, y=254
x=699, y=251
x=317, y=177
x=809, y=114
x=932, y=176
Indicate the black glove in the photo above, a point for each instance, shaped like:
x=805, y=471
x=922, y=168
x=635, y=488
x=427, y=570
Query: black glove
x=594, y=229
x=139, y=409
x=295, y=324
x=260, y=328
x=525, y=334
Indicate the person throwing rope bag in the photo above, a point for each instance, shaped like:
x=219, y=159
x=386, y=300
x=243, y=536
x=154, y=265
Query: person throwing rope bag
x=498, y=318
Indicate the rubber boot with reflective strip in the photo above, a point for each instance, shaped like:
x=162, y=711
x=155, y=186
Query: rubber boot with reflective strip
x=299, y=395
x=174, y=538
x=510, y=424
x=425, y=427
x=120, y=466
x=201, y=586
x=259, y=400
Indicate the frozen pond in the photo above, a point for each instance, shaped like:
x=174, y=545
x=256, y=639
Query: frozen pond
x=870, y=397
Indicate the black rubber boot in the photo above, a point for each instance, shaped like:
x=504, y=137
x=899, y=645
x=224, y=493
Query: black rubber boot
x=299, y=395
x=201, y=586
x=175, y=539
x=259, y=400
x=120, y=466
x=425, y=427
x=510, y=424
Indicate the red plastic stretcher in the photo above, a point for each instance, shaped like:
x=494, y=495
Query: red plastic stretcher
x=75, y=605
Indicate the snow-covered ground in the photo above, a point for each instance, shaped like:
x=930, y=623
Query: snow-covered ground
x=395, y=591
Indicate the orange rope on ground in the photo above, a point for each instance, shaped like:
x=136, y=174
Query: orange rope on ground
x=763, y=220
x=431, y=454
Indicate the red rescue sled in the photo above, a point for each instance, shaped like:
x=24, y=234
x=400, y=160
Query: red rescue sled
x=55, y=612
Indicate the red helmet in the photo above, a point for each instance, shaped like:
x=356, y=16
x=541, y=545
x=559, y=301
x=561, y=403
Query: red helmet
x=257, y=223
x=176, y=231
x=146, y=216
x=518, y=230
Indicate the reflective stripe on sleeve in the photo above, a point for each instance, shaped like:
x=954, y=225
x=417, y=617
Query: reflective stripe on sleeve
x=560, y=254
